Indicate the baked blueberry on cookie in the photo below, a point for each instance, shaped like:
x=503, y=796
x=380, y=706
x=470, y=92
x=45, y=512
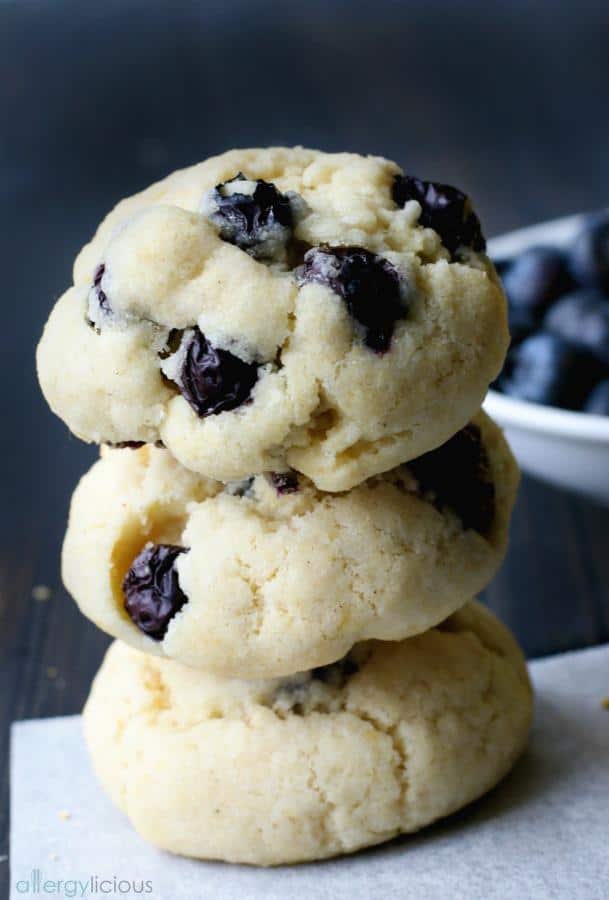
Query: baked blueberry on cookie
x=270, y=576
x=445, y=209
x=280, y=309
x=321, y=763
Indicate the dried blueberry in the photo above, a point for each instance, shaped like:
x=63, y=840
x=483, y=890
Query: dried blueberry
x=284, y=482
x=132, y=445
x=546, y=369
x=582, y=318
x=457, y=475
x=125, y=445
x=589, y=254
x=213, y=380
x=152, y=592
x=369, y=285
x=98, y=303
x=101, y=296
x=532, y=282
x=242, y=488
x=254, y=215
x=294, y=693
x=598, y=400
x=445, y=209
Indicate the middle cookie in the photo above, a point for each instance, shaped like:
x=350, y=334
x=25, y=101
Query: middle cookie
x=271, y=576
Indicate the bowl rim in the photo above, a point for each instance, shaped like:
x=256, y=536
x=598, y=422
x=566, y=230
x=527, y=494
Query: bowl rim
x=558, y=232
x=547, y=419
x=523, y=413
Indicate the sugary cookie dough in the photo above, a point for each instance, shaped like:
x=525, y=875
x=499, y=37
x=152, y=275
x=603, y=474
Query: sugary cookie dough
x=277, y=576
x=279, y=308
x=386, y=741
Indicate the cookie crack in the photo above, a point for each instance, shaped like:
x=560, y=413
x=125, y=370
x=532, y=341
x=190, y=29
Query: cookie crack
x=400, y=751
x=330, y=835
x=244, y=571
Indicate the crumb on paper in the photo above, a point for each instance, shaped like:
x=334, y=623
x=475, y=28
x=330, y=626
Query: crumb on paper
x=605, y=703
x=41, y=592
x=52, y=672
x=64, y=814
x=53, y=857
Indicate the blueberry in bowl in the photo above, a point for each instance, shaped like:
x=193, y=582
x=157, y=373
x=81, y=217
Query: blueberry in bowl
x=545, y=368
x=532, y=282
x=558, y=301
x=588, y=255
x=582, y=319
x=552, y=397
x=598, y=400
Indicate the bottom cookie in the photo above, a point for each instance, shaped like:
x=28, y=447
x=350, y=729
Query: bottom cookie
x=389, y=739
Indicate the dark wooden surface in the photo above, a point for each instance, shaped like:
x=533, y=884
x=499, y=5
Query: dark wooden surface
x=97, y=100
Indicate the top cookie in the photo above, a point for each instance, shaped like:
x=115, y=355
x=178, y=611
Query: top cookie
x=280, y=307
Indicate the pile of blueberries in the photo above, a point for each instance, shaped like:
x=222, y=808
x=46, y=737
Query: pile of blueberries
x=559, y=321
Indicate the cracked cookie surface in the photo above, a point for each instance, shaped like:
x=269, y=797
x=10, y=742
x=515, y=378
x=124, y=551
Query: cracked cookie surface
x=279, y=577
x=333, y=333
x=287, y=770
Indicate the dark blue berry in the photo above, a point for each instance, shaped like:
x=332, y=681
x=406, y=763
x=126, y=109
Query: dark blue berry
x=502, y=265
x=546, y=369
x=369, y=285
x=521, y=324
x=589, y=254
x=98, y=300
x=260, y=222
x=152, y=592
x=241, y=488
x=132, y=445
x=457, y=476
x=102, y=299
x=582, y=318
x=445, y=209
x=212, y=380
x=284, y=482
x=533, y=281
x=598, y=400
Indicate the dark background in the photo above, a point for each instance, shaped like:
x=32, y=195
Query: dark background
x=507, y=100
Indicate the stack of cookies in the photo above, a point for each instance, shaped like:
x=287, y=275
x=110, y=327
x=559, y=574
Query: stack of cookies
x=284, y=353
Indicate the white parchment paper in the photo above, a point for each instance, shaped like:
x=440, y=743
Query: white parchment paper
x=544, y=833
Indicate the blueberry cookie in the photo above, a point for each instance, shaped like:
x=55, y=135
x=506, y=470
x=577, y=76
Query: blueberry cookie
x=268, y=576
x=280, y=308
x=390, y=739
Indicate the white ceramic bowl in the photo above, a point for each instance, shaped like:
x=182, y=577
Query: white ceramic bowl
x=569, y=449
